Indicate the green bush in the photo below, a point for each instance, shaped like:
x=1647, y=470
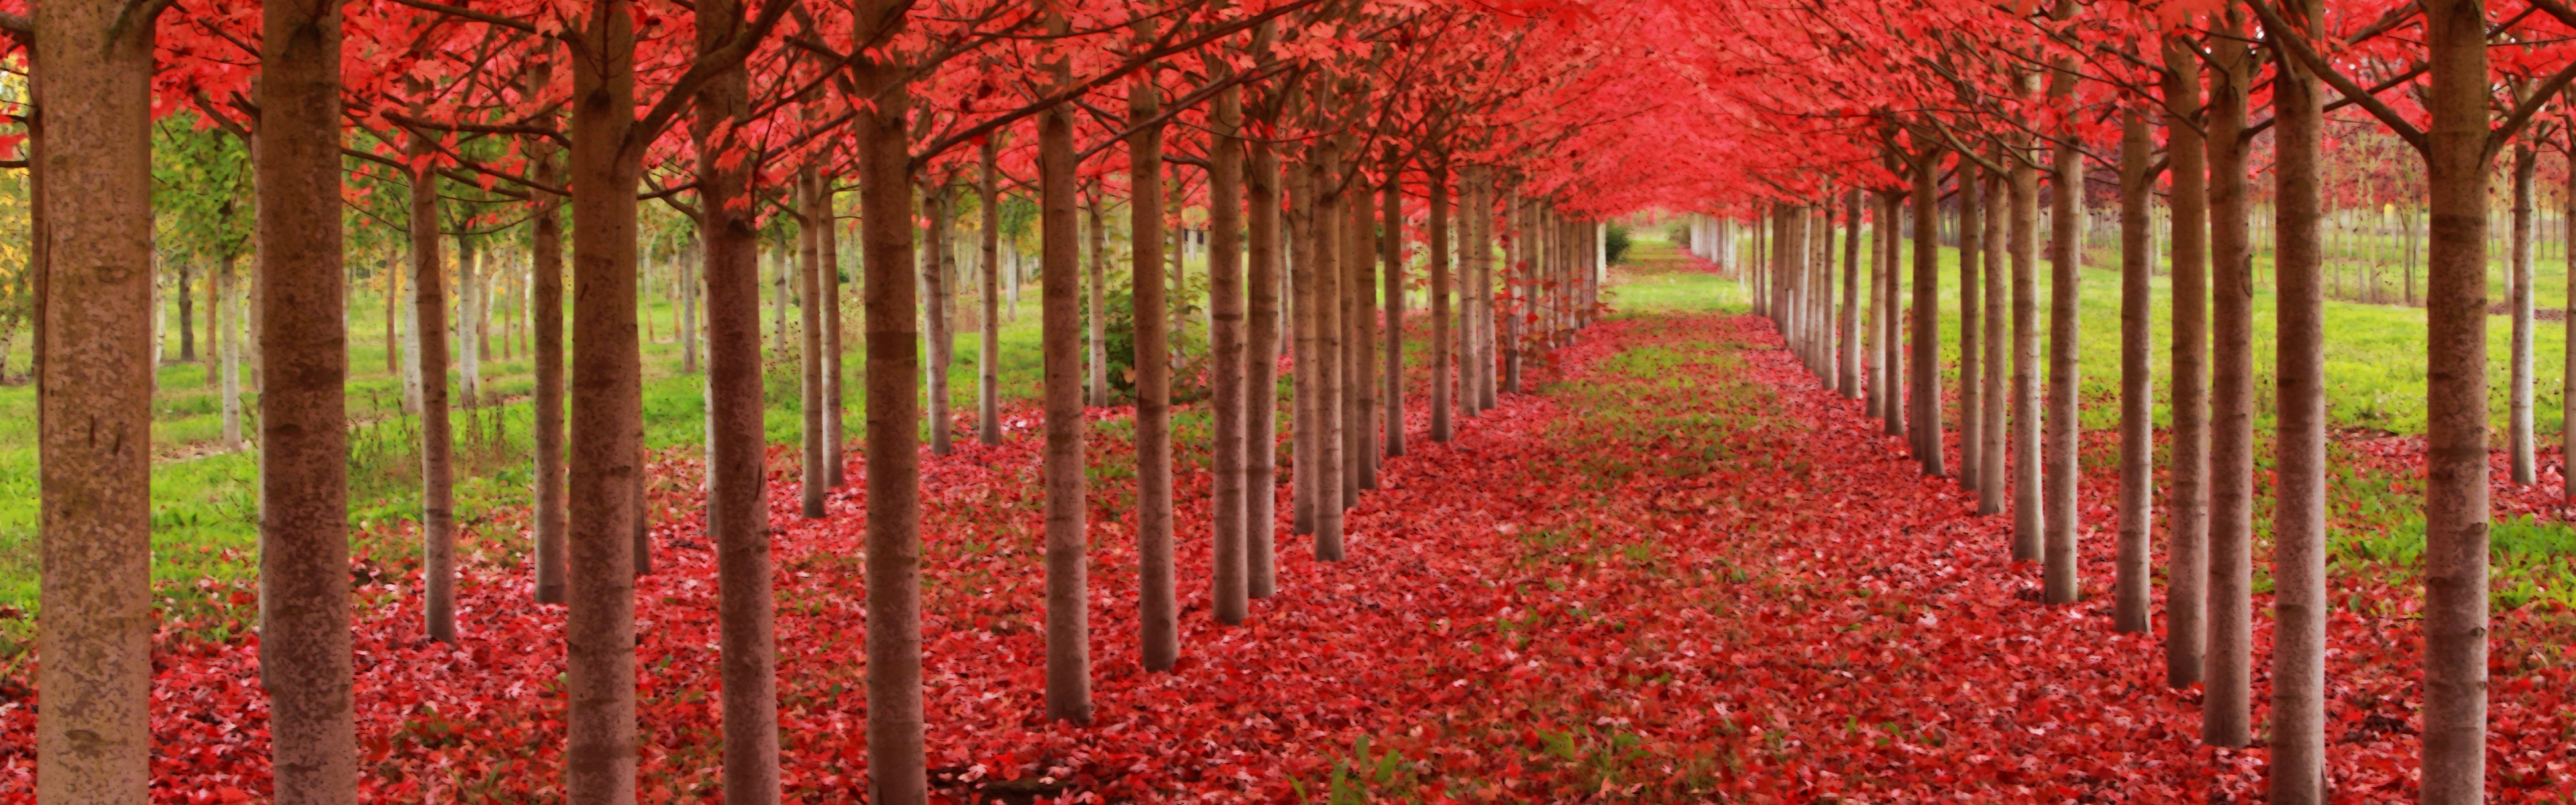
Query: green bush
x=1614, y=241
x=1189, y=376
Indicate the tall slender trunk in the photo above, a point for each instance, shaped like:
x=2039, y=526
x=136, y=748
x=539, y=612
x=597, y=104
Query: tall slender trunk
x=2225, y=709
x=1437, y=185
x=1225, y=346
x=1359, y=262
x=2187, y=503
x=305, y=656
x=1876, y=348
x=1926, y=360
x=1306, y=374
x=91, y=197
x=689, y=301
x=896, y=770
x=2137, y=382
x=470, y=299
x=1326, y=295
x=2298, y=726
x=1390, y=247
x=988, y=343
x=1479, y=212
x=2456, y=509
x=813, y=219
x=1891, y=349
x=1097, y=380
x=835, y=435
x=2061, y=583
x=188, y=318
x=1158, y=619
x=1972, y=417
x=228, y=347
x=437, y=493
x=2024, y=237
x=1261, y=375
x=606, y=399
x=1991, y=431
x=1068, y=619
x=546, y=308
x=937, y=271
x=2518, y=437
x=1515, y=273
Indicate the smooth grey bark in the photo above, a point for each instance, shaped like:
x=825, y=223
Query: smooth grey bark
x=437, y=467
x=2519, y=444
x=937, y=272
x=1991, y=431
x=2025, y=460
x=1097, y=379
x=546, y=267
x=2060, y=582
x=1847, y=326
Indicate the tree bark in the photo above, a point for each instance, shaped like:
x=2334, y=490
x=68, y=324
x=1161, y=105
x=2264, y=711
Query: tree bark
x=2518, y=439
x=2187, y=503
x=1390, y=245
x=599, y=632
x=437, y=493
x=937, y=271
x=2129, y=611
x=1326, y=295
x=2061, y=583
x=304, y=548
x=228, y=346
x=1225, y=343
x=835, y=436
x=547, y=286
x=1098, y=377
x=737, y=513
x=91, y=198
x=2024, y=236
x=1991, y=430
x=470, y=299
x=988, y=347
x=809, y=259
x=2456, y=510
x=2298, y=726
x=1306, y=373
x=1926, y=360
x=2225, y=716
x=1972, y=417
x=1158, y=621
x=896, y=770
x=1437, y=184
x=1068, y=630
x=1261, y=375
x=1362, y=439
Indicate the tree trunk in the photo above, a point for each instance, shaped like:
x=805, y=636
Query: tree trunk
x=1877, y=349
x=2456, y=508
x=546, y=258
x=938, y=266
x=988, y=346
x=1306, y=381
x=896, y=770
x=2567, y=365
x=2024, y=236
x=1991, y=431
x=228, y=345
x=812, y=220
x=304, y=548
x=689, y=301
x=835, y=436
x=1390, y=247
x=470, y=295
x=1515, y=273
x=188, y=318
x=2187, y=503
x=437, y=495
x=1158, y=621
x=1478, y=216
x=1926, y=360
x=93, y=736
x=1891, y=350
x=1437, y=185
x=606, y=396
x=2065, y=424
x=1261, y=375
x=1847, y=355
x=2224, y=703
x=2130, y=601
x=1225, y=347
x=2298, y=726
x=1099, y=329
x=1972, y=418
x=1068, y=629
x=2518, y=440
x=1359, y=263
x=1326, y=295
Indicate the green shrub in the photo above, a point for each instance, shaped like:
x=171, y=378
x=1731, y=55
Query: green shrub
x=1614, y=242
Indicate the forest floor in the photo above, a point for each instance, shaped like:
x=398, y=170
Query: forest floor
x=1678, y=571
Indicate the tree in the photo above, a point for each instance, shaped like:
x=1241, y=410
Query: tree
x=1158, y=622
